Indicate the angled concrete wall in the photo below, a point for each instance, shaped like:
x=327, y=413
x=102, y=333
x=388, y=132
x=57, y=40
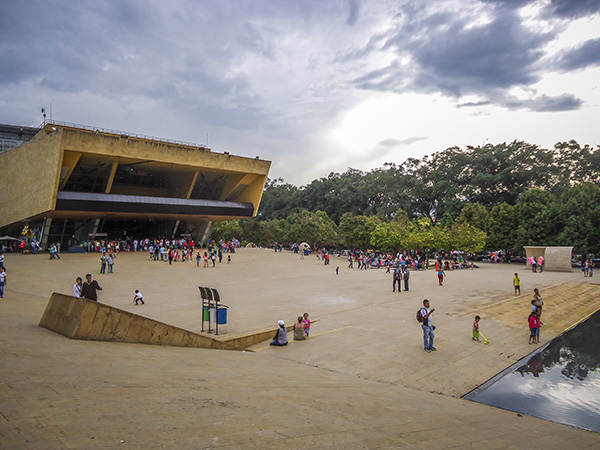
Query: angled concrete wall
x=79, y=318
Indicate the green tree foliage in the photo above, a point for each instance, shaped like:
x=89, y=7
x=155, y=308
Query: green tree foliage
x=536, y=212
x=279, y=200
x=580, y=210
x=474, y=214
x=355, y=231
x=500, y=173
x=463, y=236
x=506, y=195
x=317, y=229
x=393, y=235
x=502, y=228
x=227, y=230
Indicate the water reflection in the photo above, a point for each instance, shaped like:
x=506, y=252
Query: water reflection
x=559, y=382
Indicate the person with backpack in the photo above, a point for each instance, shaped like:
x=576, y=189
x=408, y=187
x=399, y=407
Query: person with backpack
x=397, y=279
x=424, y=317
x=405, y=277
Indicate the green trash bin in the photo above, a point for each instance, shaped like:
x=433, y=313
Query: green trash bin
x=205, y=313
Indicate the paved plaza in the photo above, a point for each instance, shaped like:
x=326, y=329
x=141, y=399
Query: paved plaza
x=362, y=380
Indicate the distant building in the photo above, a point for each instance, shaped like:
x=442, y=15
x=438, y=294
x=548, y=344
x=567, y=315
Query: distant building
x=13, y=135
x=71, y=183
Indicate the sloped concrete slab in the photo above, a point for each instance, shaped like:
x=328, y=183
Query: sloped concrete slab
x=80, y=318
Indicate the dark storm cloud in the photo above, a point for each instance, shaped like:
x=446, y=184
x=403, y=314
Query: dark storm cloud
x=393, y=142
x=545, y=103
x=473, y=104
x=450, y=52
x=455, y=59
x=572, y=9
x=352, y=13
x=585, y=55
x=500, y=54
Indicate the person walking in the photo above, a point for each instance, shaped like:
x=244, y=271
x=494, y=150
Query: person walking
x=405, y=277
x=2, y=281
x=427, y=326
x=90, y=287
x=441, y=274
x=517, y=284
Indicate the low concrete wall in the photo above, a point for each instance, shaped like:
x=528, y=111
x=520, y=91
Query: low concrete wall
x=79, y=318
x=556, y=259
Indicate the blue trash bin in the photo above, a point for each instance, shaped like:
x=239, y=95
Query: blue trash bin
x=222, y=316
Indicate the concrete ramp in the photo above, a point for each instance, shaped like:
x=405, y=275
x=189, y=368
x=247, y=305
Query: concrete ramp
x=79, y=318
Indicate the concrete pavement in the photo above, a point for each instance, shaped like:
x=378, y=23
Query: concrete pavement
x=362, y=380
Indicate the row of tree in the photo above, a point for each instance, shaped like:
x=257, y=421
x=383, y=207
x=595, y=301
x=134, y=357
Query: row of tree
x=500, y=197
x=445, y=182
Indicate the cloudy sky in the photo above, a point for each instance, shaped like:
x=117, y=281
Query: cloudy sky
x=313, y=85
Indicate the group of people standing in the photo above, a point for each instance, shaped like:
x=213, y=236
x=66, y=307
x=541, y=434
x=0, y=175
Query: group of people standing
x=107, y=260
x=536, y=263
x=400, y=274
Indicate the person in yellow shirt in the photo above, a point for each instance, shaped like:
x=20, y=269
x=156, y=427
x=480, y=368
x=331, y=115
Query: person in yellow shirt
x=517, y=284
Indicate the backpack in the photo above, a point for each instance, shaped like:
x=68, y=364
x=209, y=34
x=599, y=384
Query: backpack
x=420, y=315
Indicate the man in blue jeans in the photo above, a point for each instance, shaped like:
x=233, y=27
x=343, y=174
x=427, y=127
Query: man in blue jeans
x=427, y=326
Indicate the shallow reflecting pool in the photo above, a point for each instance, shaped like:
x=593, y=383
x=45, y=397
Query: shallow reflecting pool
x=558, y=382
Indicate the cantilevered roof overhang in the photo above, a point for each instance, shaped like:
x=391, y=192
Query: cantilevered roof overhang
x=149, y=206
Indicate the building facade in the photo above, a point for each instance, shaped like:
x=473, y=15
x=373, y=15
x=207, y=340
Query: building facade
x=71, y=183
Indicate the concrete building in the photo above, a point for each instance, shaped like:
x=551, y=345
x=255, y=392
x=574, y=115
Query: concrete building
x=70, y=183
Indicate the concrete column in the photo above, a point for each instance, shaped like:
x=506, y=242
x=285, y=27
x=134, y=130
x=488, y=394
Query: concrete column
x=45, y=232
x=175, y=229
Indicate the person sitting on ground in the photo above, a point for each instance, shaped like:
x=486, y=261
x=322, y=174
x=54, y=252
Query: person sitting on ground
x=299, y=334
x=280, y=339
